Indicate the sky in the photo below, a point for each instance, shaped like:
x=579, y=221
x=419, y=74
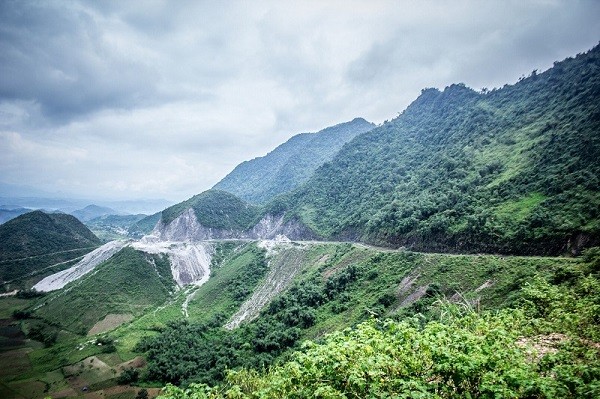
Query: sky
x=161, y=99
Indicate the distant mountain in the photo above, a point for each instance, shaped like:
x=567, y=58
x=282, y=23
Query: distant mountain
x=143, y=226
x=8, y=213
x=68, y=205
x=511, y=170
x=93, y=211
x=290, y=164
x=37, y=240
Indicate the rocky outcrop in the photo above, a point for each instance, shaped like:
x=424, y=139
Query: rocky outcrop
x=186, y=227
x=190, y=262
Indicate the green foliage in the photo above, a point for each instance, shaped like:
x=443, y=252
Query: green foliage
x=462, y=355
x=346, y=287
x=28, y=294
x=216, y=209
x=290, y=164
x=43, y=332
x=511, y=171
x=36, y=240
x=142, y=394
x=128, y=376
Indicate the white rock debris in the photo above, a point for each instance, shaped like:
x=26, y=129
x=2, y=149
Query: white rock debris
x=190, y=261
x=87, y=264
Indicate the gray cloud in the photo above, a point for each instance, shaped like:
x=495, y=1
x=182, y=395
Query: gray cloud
x=162, y=98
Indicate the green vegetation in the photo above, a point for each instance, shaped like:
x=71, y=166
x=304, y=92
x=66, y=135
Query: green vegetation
x=290, y=164
x=339, y=286
x=216, y=209
x=545, y=348
x=513, y=170
x=131, y=282
x=40, y=243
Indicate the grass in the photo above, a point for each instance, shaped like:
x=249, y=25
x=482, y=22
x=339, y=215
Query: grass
x=519, y=210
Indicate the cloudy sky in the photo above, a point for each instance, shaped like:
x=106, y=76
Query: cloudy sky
x=161, y=99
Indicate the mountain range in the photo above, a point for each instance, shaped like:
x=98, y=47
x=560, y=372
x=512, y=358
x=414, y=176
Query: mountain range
x=512, y=170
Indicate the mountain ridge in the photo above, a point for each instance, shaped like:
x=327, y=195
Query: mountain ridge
x=289, y=164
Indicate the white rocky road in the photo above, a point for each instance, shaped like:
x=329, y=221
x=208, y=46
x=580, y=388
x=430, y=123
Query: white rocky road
x=87, y=264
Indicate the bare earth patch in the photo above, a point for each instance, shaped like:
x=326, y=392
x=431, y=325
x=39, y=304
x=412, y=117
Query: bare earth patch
x=110, y=322
x=541, y=345
x=14, y=362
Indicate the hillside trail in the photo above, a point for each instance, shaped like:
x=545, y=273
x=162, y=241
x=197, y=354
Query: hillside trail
x=33, y=273
x=48, y=254
x=84, y=266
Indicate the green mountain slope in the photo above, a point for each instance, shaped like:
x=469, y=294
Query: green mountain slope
x=143, y=226
x=290, y=164
x=546, y=347
x=514, y=170
x=334, y=286
x=131, y=283
x=36, y=240
x=216, y=209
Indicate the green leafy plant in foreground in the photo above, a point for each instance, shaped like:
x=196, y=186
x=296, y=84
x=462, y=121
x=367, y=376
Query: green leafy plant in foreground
x=547, y=348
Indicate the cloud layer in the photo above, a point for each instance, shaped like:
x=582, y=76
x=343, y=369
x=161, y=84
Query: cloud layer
x=162, y=99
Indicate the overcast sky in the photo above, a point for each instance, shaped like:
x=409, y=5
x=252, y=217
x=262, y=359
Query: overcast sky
x=153, y=99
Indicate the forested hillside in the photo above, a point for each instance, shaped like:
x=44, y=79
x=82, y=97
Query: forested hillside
x=510, y=170
x=216, y=209
x=545, y=347
x=333, y=286
x=37, y=240
x=290, y=164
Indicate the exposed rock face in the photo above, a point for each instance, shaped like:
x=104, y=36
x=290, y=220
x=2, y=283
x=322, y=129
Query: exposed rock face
x=190, y=262
x=187, y=228
x=269, y=227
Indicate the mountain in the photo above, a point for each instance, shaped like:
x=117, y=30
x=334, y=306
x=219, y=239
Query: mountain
x=215, y=215
x=290, y=164
x=511, y=170
x=9, y=212
x=144, y=226
x=68, y=205
x=93, y=211
x=36, y=241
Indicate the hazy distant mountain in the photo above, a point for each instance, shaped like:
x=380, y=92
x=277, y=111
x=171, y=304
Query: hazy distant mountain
x=69, y=205
x=93, y=211
x=290, y=164
x=9, y=212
